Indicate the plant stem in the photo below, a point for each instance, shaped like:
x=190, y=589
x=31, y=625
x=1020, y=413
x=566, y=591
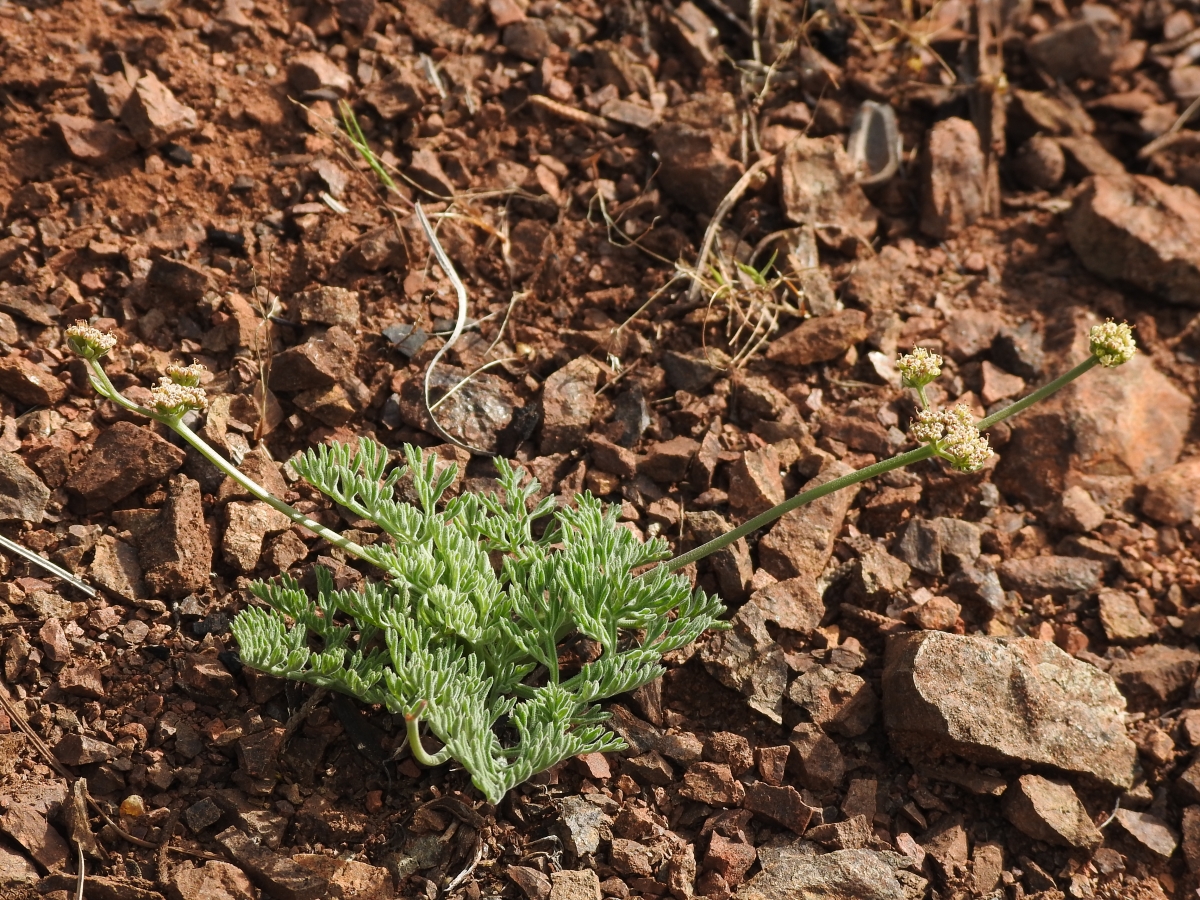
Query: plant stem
x=879, y=468
x=418, y=751
x=104, y=386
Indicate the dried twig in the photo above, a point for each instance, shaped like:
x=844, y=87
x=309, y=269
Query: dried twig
x=1169, y=136
x=573, y=114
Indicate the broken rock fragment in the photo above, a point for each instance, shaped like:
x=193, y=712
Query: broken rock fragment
x=93, y=142
x=696, y=169
x=842, y=875
x=746, y=659
x=952, y=190
x=23, y=496
x=1087, y=45
x=568, y=399
x=819, y=339
x=1004, y=701
x=123, y=459
x=1050, y=811
x=817, y=186
x=153, y=115
x=1137, y=229
x=801, y=542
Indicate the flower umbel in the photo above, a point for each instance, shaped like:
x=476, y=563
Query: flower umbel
x=186, y=376
x=89, y=342
x=174, y=401
x=919, y=368
x=1113, y=343
x=954, y=437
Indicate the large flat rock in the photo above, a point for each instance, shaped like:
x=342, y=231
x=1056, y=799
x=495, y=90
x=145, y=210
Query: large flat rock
x=1004, y=701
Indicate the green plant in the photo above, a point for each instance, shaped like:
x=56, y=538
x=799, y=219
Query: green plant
x=465, y=631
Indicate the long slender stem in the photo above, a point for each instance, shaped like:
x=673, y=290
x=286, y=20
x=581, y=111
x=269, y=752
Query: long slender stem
x=105, y=387
x=418, y=751
x=879, y=468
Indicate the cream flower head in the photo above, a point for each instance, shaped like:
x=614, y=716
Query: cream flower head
x=1112, y=343
x=89, y=342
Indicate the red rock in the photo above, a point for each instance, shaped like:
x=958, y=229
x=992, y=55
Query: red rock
x=782, y=803
x=1155, y=675
x=317, y=363
x=528, y=39
x=568, y=400
x=667, y=462
x=1088, y=45
x=82, y=678
x=801, y=542
x=696, y=168
x=328, y=305
x=755, y=484
x=279, y=876
x=1039, y=163
x=631, y=858
x=712, y=783
x=206, y=677
x=504, y=13
x=153, y=115
x=313, y=71
x=23, y=496
x=54, y=641
x=817, y=760
x=1173, y=496
x=746, y=659
x=820, y=339
x=1049, y=811
x=533, y=884
x=860, y=798
x=30, y=829
x=952, y=186
x=215, y=880
x=123, y=459
x=794, y=603
x=1191, y=837
x=1058, y=575
x=849, y=834
x=81, y=750
x=817, y=185
x=29, y=384
x=247, y=526
x=349, y=878
x=99, y=143
x=771, y=762
x=1122, y=620
x=1137, y=229
x=1000, y=385
x=730, y=859
x=839, y=702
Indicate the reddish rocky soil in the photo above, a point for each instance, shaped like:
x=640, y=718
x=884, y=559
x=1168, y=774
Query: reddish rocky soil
x=940, y=685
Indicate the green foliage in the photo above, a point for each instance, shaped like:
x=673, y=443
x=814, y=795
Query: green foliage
x=464, y=631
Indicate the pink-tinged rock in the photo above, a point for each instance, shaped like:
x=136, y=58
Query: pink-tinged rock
x=215, y=880
x=696, y=169
x=1087, y=45
x=247, y=526
x=794, y=603
x=998, y=700
x=817, y=186
x=840, y=702
x=99, y=143
x=30, y=829
x=1173, y=496
x=355, y=880
x=952, y=188
x=1137, y=229
x=820, y=338
x=23, y=496
x=29, y=384
x=568, y=399
x=755, y=484
x=313, y=71
x=153, y=115
x=801, y=542
x=175, y=551
x=83, y=679
x=123, y=459
x=1050, y=811
x=746, y=659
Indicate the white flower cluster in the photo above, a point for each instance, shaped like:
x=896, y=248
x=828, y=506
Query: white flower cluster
x=187, y=376
x=919, y=368
x=954, y=436
x=88, y=341
x=1113, y=343
x=176, y=400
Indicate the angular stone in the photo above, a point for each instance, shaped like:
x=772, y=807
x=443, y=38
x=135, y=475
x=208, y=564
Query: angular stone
x=1088, y=45
x=15, y=869
x=214, y=880
x=579, y=825
x=998, y=700
x=781, y=803
x=801, y=542
x=1173, y=496
x=842, y=875
x=529, y=40
x=98, y=143
x=817, y=186
x=1191, y=838
x=696, y=372
x=317, y=363
x=696, y=168
x=1155, y=675
x=81, y=750
x=712, y=784
x=115, y=567
x=816, y=759
x=1050, y=811
x=204, y=676
x=1122, y=620
x=630, y=858
x=247, y=526
x=175, y=551
x=533, y=884
x=279, y=876
x=1057, y=575
x=178, y=280
x=23, y=496
x=29, y=828
x=794, y=603
x=314, y=71
x=123, y=459
x=29, y=384
x=853, y=833
x=1150, y=831
x=1137, y=229
x=1077, y=511
x=1000, y=385
x=820, y=338
x=568, y=400
x=153, y=115
x=349, y=878
x=730, y=859
x=82, y=678
x=755, y=483
x=952, y=186
x=667, y=462
x=839, y=702
x=747, y=660
x=328, y=305
x=575, y=884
